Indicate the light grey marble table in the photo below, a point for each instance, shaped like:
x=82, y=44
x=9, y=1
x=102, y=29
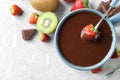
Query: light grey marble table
x=34, y=60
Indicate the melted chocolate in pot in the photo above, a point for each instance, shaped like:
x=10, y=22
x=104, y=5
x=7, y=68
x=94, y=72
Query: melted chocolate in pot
x=75, y=50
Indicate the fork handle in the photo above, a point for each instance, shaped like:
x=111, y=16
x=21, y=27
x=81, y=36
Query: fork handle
x=114, y=3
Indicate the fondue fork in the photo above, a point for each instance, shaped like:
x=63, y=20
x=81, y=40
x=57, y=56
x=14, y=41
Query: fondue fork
x=113, y=71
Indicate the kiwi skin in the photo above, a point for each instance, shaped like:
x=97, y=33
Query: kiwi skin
x=45, y=5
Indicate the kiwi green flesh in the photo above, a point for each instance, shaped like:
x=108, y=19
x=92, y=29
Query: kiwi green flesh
x=47, y=22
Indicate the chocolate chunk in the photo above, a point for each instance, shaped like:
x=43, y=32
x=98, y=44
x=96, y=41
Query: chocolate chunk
x=100, y=7
x=103, y=7
x=28, y=34
x=115, y=11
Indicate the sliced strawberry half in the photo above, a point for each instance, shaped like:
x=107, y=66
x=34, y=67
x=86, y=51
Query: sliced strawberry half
x=33, y=18
x=80, y=4
x=44, y=37
x=116, y=54
x=97, y=70
x=15, y=10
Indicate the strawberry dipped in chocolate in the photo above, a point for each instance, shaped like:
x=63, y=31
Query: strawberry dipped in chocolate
x=89, y=33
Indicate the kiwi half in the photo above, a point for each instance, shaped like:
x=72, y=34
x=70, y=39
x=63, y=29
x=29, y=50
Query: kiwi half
x=47, y=22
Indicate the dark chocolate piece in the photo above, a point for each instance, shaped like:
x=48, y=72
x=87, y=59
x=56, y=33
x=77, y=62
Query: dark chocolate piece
x=103, y=7
x=28, y=34
x=100, y=7
x=115, y=11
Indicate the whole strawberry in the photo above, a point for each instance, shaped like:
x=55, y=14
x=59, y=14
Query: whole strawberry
x=44, y=37
x=33, y=18
x=88, y=33
x=15, y=10
x=97, y=70
x=116, y=54
x=69, y=0
x=80, y=4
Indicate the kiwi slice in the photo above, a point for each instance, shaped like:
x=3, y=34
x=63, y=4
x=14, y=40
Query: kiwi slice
x=47, y=22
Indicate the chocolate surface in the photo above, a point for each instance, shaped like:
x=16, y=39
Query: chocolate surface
x=74, y=49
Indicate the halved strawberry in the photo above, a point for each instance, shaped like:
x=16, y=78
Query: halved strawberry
x=80, y=4
x=15, y=10
x=44, y=37
x=89, y=33
x=33, y=18
x=97, y=70
x=116, y=54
